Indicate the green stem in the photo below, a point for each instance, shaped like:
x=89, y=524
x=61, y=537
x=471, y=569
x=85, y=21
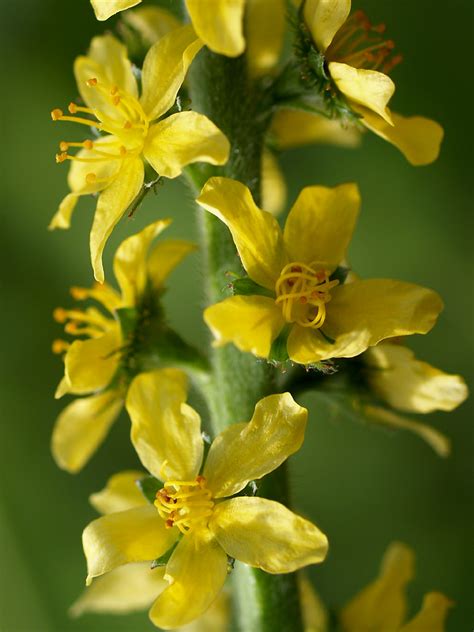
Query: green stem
x=220, y=88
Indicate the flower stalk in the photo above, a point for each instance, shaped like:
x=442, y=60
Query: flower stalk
x=221, y=89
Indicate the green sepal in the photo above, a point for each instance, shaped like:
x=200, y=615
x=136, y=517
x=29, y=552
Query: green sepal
x=340, y=274
x=149, y=486
x=246, y=287
x=164, y=559
x=128, y=317
x=278, y=351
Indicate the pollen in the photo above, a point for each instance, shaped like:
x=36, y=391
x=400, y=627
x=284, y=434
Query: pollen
x=91, y=83
x=302, y=291
x=61, y=157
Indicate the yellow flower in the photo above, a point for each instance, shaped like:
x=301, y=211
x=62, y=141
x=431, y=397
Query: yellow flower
x=194, y=509
x=136, y=129
x=382, y=605
x=93, y=363
x=358, y=58
x=409, y=385
x=220, y=25
x=295, y=270
x=134, y=587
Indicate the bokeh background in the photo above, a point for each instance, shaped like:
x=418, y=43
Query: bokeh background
x=362, y=485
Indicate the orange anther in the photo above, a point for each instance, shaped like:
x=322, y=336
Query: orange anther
x=59, y=346
x=88, y=144
x=201, y=480
x=127, y=125
x=56, y=114
x=71, y=328
x=116, y=100
x=91, y=178
x=303, y=300
x=123, y=150
x=61, y=157
x=63, y=146
x=79, y=293
x=114, y=90
x=60, y=315
x=169, y=524
x=72, y=107
x=379, y=28
x=91, y=82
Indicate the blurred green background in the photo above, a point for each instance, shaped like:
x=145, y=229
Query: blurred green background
x=363, y=486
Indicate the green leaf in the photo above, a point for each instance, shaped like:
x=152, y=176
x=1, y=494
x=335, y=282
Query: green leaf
x=148, y=486
x=246, y=287
x=164, y=559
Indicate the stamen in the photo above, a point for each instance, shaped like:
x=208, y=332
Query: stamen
x=59, y=346
x=185, y=504
x=302, y=291
x=56, y=114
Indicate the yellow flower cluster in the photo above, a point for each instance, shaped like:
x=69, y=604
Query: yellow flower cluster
x=168, y=536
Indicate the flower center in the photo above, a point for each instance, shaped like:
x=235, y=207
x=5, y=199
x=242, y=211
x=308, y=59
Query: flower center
x=122, y=117
x=303, y=291
x=361, y=44
x=186, y=504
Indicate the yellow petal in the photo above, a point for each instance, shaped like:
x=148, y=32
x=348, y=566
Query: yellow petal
x=104, y=9
x=265, y=534
x=196, y=571
x=81, y=427
x=418, y=138
x=111, y=205
x=166, y=433
x=409, y=384
x=251, y=322
x=104, y=170
x=382, y=604
x=324, y=18
x=215, y=619
x=126, y=589
x=219, y=24
x=91, y=364
x=251, y=450
x=265, y=27
x=165, y=68
x=130, y=262
x=273, y=184
x=152, y=23
x=363, y=313
x=164, y=257
x=107, y=61
x=293, y=128
x=184, y=138
x=315, y=615
x=134, y=535
x=435, y=439
x=120, y=493
x=62, y=388
x=256, y=233
x=320, y=225
x=369, y=88
x=62, y=217
x=432, y=615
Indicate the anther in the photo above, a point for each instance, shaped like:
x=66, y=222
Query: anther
x=127, y=125
x=303, y=300
x=91, y=178
x=71, y=328
x=60, y=315
x=63, y=146
x=91, y=83
x=123, y=151
x=114, y=90
x=61, y=157
x=88, y=144
x=116, y=100
x=72, y=108
x=59, y=346
x=79, y=293
x=56, y=114
x=169, y=524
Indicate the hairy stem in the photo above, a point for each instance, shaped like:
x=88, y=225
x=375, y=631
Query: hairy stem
x=220, y=88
